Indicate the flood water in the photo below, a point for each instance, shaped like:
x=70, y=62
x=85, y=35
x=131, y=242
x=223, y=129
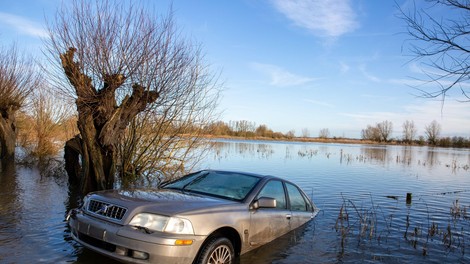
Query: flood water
x=361, y=191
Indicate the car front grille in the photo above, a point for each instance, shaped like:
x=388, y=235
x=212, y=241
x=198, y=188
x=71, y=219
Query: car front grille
x=106, y=209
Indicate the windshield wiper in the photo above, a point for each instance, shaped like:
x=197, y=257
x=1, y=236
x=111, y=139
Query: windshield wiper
x=198, y=179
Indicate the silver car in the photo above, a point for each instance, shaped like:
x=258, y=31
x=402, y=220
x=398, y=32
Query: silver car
x=204, y=217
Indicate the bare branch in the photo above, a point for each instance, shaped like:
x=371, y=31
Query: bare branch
x=121, y=63
x=441, y=43
x=17, y=80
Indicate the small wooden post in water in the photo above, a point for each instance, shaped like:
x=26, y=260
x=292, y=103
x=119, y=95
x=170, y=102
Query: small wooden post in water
x=408, y=198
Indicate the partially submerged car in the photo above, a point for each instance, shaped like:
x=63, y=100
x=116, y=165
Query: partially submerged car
x=204, y=217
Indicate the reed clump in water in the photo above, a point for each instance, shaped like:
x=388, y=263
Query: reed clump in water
x=424, y=233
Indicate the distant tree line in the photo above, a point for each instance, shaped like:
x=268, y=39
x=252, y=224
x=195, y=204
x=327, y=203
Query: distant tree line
x=244, y=128
x=143, y=85
x=382, y=132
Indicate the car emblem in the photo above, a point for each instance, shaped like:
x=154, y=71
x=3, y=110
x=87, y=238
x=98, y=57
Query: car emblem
x=103, y=209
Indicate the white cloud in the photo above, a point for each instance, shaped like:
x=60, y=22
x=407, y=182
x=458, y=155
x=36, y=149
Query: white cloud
x=320, y=103
x=454, y=116
x=279, y=76
x=368, y=75
x=23, y=25
x=331, y=18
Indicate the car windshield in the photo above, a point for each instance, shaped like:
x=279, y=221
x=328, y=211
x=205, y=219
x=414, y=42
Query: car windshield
x=227, y=185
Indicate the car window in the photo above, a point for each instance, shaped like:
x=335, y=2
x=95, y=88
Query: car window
x=297, y=201
x=229, y=185
x=274, y=189
x=182, y=182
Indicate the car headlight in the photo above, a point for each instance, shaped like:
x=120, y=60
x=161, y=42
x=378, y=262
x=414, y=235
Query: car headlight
x=162, y=223
x=179, y=226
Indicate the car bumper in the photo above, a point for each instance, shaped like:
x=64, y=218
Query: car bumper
x=129, y=245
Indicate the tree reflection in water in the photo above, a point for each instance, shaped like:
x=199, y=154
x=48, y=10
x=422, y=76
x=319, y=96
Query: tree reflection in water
x=373, y=180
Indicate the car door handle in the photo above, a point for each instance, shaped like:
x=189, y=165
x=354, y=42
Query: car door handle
x=288, y=216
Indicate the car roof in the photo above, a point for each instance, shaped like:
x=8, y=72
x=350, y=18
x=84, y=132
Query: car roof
x=261, y=176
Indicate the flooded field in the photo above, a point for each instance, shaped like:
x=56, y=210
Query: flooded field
x=361, y=189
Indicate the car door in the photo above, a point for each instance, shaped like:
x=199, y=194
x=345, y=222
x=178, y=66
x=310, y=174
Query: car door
x=301, y=208
x=270, y=223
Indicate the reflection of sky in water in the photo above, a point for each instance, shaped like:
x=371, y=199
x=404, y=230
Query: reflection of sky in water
x=32, y=206
x=32, y=212
x=347, y=168
x=369, y=179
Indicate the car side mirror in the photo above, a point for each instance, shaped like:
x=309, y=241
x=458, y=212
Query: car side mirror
x=264, y=202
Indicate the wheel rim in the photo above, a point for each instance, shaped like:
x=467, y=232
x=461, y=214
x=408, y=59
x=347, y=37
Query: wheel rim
x=220, y=255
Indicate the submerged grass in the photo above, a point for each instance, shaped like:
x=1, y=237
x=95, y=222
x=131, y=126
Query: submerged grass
x=370, y=224
x=383, y=156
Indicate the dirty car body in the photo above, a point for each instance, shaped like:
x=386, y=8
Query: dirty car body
x=204, y=217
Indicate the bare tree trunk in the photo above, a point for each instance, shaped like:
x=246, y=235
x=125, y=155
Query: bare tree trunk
x=72, y=152
x=119, y=60
x=101, y=121
x=8, y=133
x=17, y=79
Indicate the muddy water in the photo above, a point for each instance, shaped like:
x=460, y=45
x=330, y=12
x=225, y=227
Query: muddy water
x=361, y=190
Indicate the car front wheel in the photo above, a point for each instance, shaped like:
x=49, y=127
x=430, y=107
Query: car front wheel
x=219, y=250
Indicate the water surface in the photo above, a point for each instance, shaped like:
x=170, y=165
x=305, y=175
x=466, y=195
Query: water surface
x=361, y=190
x=370, y=184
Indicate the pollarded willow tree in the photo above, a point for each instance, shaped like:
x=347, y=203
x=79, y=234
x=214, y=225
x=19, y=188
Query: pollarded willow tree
x=17, y=79
x=137, y=84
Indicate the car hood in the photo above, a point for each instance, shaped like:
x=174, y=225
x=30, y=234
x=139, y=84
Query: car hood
x=163, y=201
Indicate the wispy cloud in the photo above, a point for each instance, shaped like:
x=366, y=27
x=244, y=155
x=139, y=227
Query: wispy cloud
x=377, y=97
x=344, y=68
x=371, y=118
x=453, y=116
x=279, y=76
x=320, y=103
x=368, y=75
x=453, y=111
x=331, y=18
x=22, y=25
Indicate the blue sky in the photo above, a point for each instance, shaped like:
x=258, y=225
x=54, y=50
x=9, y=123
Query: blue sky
x=293, y=64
